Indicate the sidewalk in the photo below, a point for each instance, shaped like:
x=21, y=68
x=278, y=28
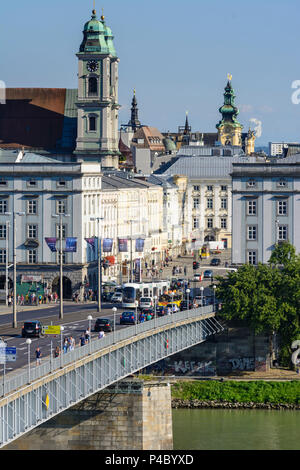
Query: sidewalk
x=25, y=308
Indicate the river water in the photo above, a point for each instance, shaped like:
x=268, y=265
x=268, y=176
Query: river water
x=210, y=429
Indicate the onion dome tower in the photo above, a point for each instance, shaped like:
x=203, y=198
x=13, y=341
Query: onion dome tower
x=229, y=128
x=97, y=104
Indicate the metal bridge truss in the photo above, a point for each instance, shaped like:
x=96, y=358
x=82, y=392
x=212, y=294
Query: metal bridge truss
x=91, y=368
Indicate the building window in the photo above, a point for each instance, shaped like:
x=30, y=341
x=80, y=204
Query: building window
x=282, y=233
x=210, y=188
x=92, y=123
x=3, y=231
x=210, y=203
x=32, y=207
x=223, y=223
x=61, y=206
x=64, y=257
x=196, y=203
x=3, y=206
x=281, y=183
x=2, y=256
x=196, y=188
x=195, y=222
x=31, y=183
x=61, y=183
x=252, y=257
x=3, y=182
x=32, y=256
x=251, y=183
x=224, y=203
x=210, y=222
x=251, y=207
x=282, y=207
x=251, y=232
x=93, y=86
x=64, y=231
x=223, y=188
x=32, y=231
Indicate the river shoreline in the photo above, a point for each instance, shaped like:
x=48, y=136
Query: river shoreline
x=178, y=403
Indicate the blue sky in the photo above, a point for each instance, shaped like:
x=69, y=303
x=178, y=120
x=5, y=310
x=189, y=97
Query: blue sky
x=176, y=54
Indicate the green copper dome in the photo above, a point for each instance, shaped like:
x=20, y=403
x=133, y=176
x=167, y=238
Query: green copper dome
x=229, y=111
x=94, y=40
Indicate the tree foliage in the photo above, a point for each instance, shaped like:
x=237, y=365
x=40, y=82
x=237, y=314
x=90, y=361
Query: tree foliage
x=266, y=297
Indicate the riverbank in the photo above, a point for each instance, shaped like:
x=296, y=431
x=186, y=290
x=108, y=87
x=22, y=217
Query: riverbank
x=233, y=395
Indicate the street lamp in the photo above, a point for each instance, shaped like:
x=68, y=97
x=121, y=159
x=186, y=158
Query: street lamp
x=202, y=289
x=172, y=295
x=188, y=298
x=28, y=342
x=214, y=288
x=114, y=313
x=97, y=219
x=90, y=318
x=136, y=316
x=61, y=296
x=61, y=343
x=155, y=301
x=15, y=324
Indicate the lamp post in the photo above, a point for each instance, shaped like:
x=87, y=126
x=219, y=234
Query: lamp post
x=188, y=298
x=214, y=288
x=202, y=289
x=28, y=342
x=61, y=343
x=15, y=323
x=90, y=318
x=136, y=316
x=61, y=284
x=155, y=302
x=172, y=295
x=97, y=219
x=114, y=313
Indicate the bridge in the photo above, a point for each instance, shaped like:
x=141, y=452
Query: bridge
x=32, y=397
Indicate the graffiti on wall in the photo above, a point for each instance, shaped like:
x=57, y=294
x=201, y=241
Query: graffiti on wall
x=193, y=367
x=248, y=363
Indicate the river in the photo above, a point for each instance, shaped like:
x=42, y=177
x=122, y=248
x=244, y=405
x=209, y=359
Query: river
x=210, y=429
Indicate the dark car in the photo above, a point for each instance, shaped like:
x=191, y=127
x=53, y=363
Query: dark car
x=127, y=318
x=161, y=311
x=106, y=296
x=104, y=324
x=184, y=305
x=215, y=262
x=32, y=328
x=208, y=274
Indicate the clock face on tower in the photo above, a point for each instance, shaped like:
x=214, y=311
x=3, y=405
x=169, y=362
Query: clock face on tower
x=92, y=66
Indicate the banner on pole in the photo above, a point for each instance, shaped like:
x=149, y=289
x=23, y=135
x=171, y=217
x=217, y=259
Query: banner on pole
x=70, y=245
x=51, y=242
x=91, y=242
x=139, y=244
x=107, y=245
x=123, y=245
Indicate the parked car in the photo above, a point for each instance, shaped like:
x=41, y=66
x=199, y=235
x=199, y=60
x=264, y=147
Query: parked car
x=106, y=296
x=215, y=262
x=104, y=324
x=145, y=302
x=198, y=277
x=117, y=297
x=127, y=318
x=32, y=328
x=208, y=274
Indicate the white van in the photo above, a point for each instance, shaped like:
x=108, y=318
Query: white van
x=146, y=302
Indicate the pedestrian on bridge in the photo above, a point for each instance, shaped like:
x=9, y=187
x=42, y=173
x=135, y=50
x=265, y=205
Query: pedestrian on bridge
x=38, y=356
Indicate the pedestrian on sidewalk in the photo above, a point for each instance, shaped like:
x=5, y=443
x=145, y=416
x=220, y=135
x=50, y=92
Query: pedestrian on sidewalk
x=57, y=351
x=66, y=345
x=38, y=355
x=82, y=340
x=101, y=334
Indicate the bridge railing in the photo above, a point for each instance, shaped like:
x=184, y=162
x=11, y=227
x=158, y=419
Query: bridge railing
x=21, y=378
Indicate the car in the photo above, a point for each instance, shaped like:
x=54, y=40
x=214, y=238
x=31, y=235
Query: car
x=147, y=312
x=161, y=311
x=201, y=301
x=32, y=329
x=104, y=324
x=127, y=318
x=106, y=296
x=145, y=302
x=184, y=305
x=215, y=262
x=117, y=298
x=208, y=274
x=198, y=277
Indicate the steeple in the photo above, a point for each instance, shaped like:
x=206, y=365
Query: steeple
x=134, y=121
x=229, y=128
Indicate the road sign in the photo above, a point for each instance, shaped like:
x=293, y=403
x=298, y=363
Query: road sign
x=51, y=330
x=7, y=354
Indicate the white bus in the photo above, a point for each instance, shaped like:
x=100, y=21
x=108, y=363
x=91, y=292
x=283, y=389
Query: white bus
x=132, y=292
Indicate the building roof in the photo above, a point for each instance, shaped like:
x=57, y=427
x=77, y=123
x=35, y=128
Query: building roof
x=122, y=180
x=149, y=138
x=39, y=118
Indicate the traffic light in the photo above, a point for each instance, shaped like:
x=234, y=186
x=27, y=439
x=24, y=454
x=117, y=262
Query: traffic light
x=196, y=265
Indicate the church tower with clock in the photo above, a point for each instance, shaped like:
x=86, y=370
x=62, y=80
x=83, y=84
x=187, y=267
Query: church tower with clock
x=97, y=104
x=229, y=128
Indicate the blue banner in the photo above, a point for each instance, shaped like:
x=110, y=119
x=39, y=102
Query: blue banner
x=70, y=245
x=91, y=242
x=139, y=245
x=123, y=245
x=107, y=245
x=51, y=242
